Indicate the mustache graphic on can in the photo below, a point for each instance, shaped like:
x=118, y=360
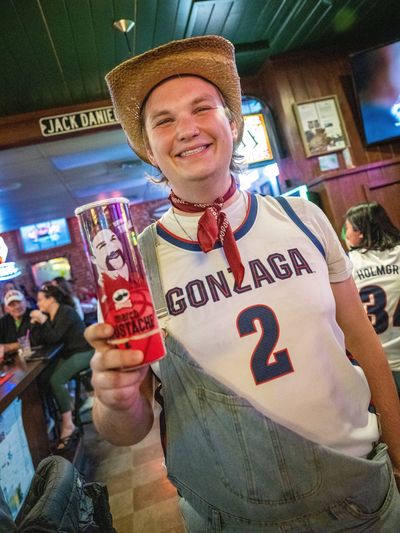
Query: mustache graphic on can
x=113, y=256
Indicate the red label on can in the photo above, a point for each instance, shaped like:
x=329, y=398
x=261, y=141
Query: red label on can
x=128, y=307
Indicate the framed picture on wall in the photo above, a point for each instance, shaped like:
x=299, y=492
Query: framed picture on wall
x=321, y=126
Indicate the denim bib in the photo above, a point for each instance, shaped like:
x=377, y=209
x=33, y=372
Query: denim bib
x=240, y=471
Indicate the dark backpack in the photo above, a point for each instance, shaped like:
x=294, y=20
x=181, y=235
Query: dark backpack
x=60, y=501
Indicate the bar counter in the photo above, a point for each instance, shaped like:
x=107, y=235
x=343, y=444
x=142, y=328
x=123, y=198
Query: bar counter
x=23, y=384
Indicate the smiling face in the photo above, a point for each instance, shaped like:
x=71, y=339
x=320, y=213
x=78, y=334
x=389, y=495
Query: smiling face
x=108, y=251
x=16, y=309
x=190, y=138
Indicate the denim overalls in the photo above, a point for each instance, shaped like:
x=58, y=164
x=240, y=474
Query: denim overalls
x=238, y=471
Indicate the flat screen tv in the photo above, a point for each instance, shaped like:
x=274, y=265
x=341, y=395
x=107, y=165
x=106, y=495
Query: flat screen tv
x=376, y=76
x=45, y=235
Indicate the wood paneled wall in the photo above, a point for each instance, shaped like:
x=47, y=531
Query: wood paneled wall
x=378, y=182
x=292, y=78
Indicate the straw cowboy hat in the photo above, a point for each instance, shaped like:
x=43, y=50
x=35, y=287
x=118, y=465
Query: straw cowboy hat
x=210, y=57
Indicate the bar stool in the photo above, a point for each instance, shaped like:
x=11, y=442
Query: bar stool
x=51, y=413
x=81, y=378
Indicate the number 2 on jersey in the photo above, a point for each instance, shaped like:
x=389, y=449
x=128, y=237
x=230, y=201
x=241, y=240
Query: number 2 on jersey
x=262, y=367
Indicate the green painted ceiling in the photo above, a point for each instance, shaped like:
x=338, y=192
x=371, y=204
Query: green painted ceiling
x=56, y=52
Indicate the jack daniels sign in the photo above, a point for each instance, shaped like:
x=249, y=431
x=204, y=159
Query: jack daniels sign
x=81, y=120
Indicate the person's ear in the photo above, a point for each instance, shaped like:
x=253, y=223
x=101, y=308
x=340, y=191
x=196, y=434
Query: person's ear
x=149, y=152
x=234, y=130
x=150, y=156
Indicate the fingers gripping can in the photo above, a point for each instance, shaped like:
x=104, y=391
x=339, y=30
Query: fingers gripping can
x=122, y=287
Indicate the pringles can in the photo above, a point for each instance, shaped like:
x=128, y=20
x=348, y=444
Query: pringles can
x=122, y=288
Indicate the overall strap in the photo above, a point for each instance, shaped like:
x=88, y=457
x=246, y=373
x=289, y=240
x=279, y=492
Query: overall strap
x=148, y=243
x=295, y=218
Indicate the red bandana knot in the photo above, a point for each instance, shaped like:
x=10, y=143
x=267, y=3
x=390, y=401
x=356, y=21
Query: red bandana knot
x=214, y=226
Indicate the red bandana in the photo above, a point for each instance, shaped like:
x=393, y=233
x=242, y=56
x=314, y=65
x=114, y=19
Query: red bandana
x=214, y=226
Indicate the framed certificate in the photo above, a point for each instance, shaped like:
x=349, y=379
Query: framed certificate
x=321, y=126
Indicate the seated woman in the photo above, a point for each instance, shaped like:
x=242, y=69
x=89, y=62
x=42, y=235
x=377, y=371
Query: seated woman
x=374, y=250
x=56, y=321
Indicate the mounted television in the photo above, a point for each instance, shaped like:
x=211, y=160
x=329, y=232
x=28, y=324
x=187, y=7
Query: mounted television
x=376, y=76
x=45, y=235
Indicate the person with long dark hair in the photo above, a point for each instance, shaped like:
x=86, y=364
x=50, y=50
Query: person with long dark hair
x=56, y=321
x=374, y=249
x=65, y=285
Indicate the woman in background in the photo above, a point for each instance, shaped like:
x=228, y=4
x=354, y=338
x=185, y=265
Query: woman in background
x=374, y=249
x=65, y=285
x=56, y=321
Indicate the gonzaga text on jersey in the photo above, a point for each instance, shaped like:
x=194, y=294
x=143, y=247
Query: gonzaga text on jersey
x=196, y=293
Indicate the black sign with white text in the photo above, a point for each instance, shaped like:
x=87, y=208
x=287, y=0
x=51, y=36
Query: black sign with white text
x=82, y=120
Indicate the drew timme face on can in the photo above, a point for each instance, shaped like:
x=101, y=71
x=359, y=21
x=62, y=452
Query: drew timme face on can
x=108, y=254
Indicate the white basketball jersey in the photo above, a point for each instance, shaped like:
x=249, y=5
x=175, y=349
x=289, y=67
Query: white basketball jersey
x=377, y=276
x=274, y=340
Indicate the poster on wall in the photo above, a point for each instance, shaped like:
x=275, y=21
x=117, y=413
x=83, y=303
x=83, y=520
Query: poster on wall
x=321, y=126
x=16, y=468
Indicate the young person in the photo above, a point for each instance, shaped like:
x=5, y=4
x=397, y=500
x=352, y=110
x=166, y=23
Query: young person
x=374, y=244
x=268, y=422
